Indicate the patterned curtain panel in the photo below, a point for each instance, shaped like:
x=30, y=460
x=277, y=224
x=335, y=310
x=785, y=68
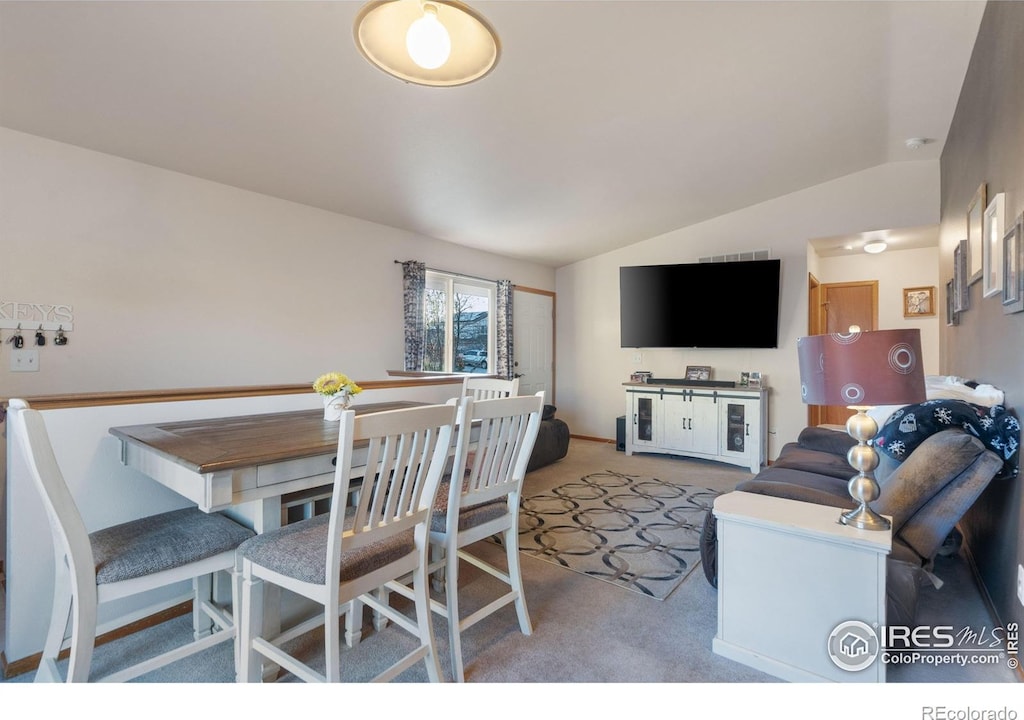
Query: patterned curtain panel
x=503, y=329
x=414, y=282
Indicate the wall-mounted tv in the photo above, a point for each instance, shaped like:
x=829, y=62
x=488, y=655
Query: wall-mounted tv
x=700, y=305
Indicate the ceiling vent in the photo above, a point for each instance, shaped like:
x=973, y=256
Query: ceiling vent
x=734, y=257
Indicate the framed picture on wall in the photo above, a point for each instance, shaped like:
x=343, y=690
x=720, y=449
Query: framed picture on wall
x=975, y=231
x=961, y=279
x=918, y=302
x=992, y=261
x=952, y=316
x=1013, y=280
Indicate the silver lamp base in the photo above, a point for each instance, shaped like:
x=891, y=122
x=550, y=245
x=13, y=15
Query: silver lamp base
x=863, y=487
x=865, y=518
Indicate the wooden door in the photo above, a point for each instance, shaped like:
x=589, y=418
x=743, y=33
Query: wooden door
x=834, y=307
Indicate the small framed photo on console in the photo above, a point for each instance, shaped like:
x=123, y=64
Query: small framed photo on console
x=744, y=379
x=698, y=372
x=755, y=381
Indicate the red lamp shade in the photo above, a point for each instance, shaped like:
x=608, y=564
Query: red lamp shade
x=862, y=369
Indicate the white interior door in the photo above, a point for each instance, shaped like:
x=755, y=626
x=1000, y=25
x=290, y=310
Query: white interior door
x=533, y=335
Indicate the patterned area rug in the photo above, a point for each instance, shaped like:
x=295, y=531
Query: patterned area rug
x=640, y=533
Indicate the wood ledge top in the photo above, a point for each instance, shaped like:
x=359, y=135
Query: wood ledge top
x=135, y=397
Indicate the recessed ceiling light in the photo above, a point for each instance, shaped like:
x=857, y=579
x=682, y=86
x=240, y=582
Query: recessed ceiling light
x=875, y=246
x=915, y=143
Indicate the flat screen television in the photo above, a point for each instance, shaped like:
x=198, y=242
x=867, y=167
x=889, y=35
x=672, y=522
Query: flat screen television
x=700, y=305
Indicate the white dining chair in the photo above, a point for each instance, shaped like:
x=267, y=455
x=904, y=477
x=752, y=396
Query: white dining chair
x=489, y=388
x=121, y=561
x=484, y=503
x=368, y=538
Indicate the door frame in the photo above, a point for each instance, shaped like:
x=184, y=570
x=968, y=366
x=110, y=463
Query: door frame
x=814, y=412
x=817, y=320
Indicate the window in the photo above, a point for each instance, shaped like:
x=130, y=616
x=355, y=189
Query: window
x=458, y=323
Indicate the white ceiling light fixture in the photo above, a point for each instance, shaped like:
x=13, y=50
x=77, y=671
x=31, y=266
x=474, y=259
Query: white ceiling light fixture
x=875, y=246
x=438, y=43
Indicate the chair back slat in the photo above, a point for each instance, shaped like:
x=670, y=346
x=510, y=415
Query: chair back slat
x=507, y=430
x=416, y=463
x=489, y=388
x=405, y=455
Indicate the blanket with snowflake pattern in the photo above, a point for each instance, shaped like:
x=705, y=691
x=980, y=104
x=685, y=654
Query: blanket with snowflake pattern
x=907, y=428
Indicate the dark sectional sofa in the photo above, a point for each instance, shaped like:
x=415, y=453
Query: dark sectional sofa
x=926, y=495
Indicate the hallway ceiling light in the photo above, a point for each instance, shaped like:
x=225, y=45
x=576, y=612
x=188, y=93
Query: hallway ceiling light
x=875, y=246
x=439, y=43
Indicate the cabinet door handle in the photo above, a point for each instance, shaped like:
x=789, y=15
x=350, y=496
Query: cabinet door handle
x=748, y=429
x=634, y=419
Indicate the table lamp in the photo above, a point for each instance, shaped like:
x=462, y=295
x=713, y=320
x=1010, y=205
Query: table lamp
x=861, y=370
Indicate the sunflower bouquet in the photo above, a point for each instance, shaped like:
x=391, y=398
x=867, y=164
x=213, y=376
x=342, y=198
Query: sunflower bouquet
x=330, y=384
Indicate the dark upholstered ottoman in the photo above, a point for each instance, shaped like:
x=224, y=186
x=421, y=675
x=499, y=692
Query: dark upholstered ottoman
x=552, y=440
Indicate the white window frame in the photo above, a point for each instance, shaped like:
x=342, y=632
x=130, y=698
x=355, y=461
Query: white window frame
x=452, y=283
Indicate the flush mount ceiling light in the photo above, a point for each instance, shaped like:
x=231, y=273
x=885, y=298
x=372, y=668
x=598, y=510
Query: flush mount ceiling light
x=875, y=246
x=439, y=43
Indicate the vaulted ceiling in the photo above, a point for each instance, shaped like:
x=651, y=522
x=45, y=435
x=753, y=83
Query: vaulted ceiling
x=605, y=122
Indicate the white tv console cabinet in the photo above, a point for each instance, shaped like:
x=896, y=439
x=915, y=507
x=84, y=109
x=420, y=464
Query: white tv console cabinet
x=726, y=424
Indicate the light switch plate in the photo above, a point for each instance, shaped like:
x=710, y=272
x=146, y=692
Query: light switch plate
x=25, y=360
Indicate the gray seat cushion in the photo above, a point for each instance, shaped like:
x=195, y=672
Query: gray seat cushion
x=471, y=516
x=299, y=551
x=162, y=542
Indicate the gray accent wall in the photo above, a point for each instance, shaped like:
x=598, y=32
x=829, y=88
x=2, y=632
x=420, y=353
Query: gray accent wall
x=986, y=145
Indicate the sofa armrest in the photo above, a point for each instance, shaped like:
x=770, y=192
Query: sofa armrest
x=931, y=490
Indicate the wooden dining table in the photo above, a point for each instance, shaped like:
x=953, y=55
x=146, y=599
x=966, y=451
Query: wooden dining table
x=247, y=466
x=243, y=465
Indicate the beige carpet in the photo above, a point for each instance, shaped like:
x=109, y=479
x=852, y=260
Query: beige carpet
x=584, y=631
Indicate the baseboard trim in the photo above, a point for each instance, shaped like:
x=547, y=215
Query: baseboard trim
x=986, y=598
x=30, y=663
x=593, y=439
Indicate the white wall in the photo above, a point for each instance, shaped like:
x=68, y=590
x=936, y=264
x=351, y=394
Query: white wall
x=180, y=282
x=895, y=270
x=591, y=364
x=177, y=282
